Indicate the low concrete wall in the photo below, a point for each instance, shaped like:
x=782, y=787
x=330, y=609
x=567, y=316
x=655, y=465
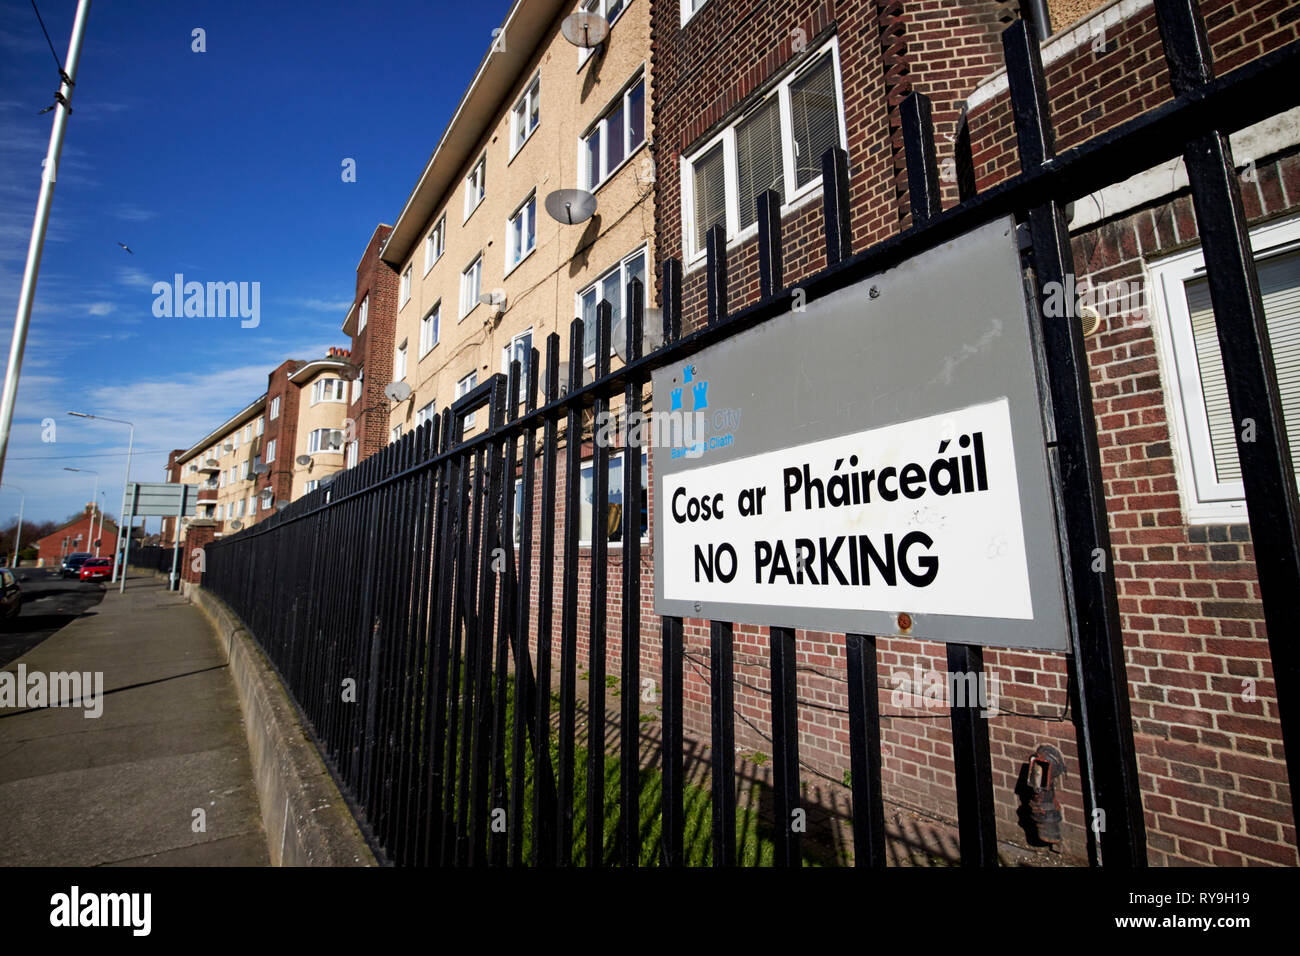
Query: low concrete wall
x=306, y=819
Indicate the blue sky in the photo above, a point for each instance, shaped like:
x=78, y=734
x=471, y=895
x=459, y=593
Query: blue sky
x=223, y=166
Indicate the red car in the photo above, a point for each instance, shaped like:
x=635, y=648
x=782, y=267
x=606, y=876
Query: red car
x=97, y=569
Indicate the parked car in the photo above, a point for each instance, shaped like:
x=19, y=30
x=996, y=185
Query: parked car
x=72, y=563
x=11, y=595
x=96, y=569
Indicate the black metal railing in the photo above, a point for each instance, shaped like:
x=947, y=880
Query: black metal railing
x=399, y=616
x=152, y=557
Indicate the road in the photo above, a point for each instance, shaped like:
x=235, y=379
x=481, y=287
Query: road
x=49, y=603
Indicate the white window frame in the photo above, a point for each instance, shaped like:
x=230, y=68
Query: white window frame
x=435, y=243
x=475, y=186
x=363, y=312
x=427, y=346
x=601, y=7
x=507, y=354
x=357, y=386
x=318, y=441
x=475, y=266
x=322, y=390
x=248, y=432
x=399, y=362
x=524, y=212
x=1206, y=500
x=395, y=433
x=311, y=485
x=261, y=425
x=464, y=387
x=589, y=358
x=602, y=123
x=354, y=449
x=589, y=463
x=688, y=10
x=794, y=196
x=424, y=414
x=405, y=295
x=521, y=114
x=270, y=452
x=274, y=413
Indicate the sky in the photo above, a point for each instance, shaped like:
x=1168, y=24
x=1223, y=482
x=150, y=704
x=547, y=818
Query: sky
x=225, y=165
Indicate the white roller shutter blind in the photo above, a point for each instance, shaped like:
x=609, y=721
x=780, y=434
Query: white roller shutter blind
x=1279, y=282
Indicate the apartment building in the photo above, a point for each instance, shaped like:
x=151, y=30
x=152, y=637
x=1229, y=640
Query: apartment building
x=747, y=102
x=282, y=445
x=371, y=322
x=483, y=272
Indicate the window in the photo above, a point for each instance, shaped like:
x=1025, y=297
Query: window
x=325, y=439
x=354, y=448
x=261, y=424
x=612, y=286
x=1210, y=477
x=322, y=390
x=614, y=518
x=609, y=9
x=476, y=185
x=243, y=471
x=395, y=434
x=525, y=115
x=222, y=483
x=429, y=329
x=521, y=349
x=270, y=451
x=434, y=243
x=257, y=463
x=471, y=282
x=248, y=432
x=311, y=485
x=464, y=387
x=234, y=439
x=267, y=501
x=521, y=233
x=689, y=7
x=275, y=408
x=777, y=144
x=614, y=136
x=239, y=508
x=221, y=512
x=356, y=386
x=399, y=363
x=363, y=312
x=406, y=288
x=424, y=414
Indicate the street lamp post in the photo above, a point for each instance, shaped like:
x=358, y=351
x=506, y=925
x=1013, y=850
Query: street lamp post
x=94, y=505
x=18, y=535
x=124, y=547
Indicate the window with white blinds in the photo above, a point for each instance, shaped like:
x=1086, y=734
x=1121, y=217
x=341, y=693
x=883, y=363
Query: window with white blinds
x=758, y=158
x=814, y=117
x=710, y=194
x=1204, y=428
x=777, y=143
x=1279, y=282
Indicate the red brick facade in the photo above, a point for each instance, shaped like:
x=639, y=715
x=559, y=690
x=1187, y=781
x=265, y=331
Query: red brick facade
x=77, y=535
x=373, y=346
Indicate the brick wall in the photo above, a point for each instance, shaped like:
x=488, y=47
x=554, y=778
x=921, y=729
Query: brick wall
x=372, y=347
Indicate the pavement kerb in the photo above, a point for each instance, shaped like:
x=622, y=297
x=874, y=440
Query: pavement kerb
x=307, y=821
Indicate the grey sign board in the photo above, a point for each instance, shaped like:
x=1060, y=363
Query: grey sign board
x=164, y=499
x=880, y=453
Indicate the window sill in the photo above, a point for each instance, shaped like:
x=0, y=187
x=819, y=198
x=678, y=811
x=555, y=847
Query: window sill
x=522, y=260
x=619, y=168
x=520, y=148
x=424, y=355
x=466, y=315
x=473, y=210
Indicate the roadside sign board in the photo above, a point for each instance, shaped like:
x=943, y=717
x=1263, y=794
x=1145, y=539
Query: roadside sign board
x=875, y=463
x=164, y=499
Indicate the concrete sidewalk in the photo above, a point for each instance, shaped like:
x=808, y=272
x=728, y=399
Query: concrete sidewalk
x=122, y=788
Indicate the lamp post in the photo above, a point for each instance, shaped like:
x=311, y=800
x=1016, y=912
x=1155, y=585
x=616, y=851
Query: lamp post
x=119, y=545
x=18, y=535
x=94, y=505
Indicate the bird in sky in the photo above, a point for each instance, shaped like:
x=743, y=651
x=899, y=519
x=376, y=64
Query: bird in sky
x=124, y=246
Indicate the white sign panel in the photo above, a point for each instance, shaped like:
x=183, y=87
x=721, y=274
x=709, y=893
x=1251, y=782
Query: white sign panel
x=919, y=514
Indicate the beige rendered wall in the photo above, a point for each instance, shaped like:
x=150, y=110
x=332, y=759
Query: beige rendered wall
x=326, y=414
x=541, y=290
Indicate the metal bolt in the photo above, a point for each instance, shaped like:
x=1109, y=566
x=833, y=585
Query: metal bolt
x=904, y=621
x=874, y=292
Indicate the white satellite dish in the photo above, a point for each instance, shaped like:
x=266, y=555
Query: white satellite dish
x=496, y=297
x=570, y=206
x=236, y=524
x=303, y=459
x=397, y=391
x=212, y=462
x=652, y=331
x=261, y=469
x=585, y=29
x=281, y=506
x=228, y=446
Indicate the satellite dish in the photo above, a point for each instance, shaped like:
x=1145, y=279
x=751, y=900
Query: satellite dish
x=228, y=447
x=618, y=332
x=585, y=29
x=397, y=391
x=281, y=506
x=496, y=297
x=652, y=331
x=213, y=462
x=261, y=469
x=268, y=494
x=570, y=206
x=236, y=524
x=303, y=459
